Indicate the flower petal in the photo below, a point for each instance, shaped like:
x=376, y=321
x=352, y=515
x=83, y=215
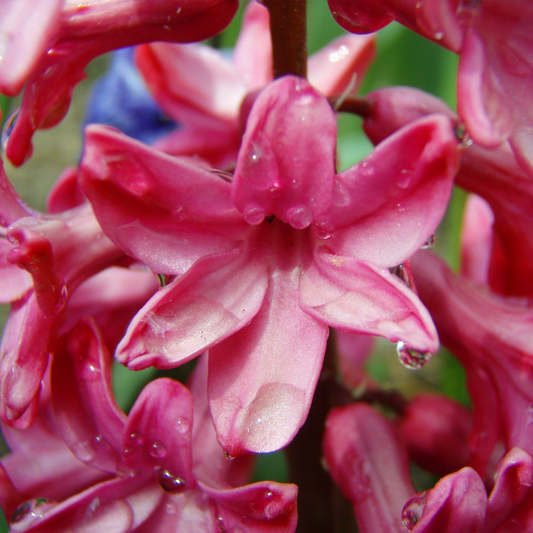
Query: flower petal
x=155, y=436
x=366, y=459
x=162, y=220
x=262, y=379
x=88, y=417
x=218, y=296
x=356, y=296
x=286, y=162
x=386, y=207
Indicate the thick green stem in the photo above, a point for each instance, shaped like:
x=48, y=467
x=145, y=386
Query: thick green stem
x=288, y=28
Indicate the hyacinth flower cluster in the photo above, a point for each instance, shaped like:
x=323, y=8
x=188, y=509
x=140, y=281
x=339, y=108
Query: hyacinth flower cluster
x=211, y=225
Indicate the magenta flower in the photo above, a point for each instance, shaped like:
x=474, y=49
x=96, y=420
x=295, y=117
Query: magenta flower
x=87, y=31
x=369, y=463
x=168, y=472
x=491, y=174
x=492, y=337
x=210, y=96
x=264, y=264
x=493, y=39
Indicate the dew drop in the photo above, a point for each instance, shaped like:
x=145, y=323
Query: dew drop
x=323, y=229
x=8, y=127
x=254, y=215
x=299, y=217
x=410, y=358
x=90, y=372
x=405, y=274
x=30, y=511
x=170, y=508
x=170, y=483
x=430, y=242
x=101, y=445
x=183, y=425
x=405, y=179
x=83, y=451
x=366, y=169
x=339, y=54
x=361, y=480
x=439, y=35
x=341, y=194
x=158, y=450
x=180, y=214
x=413, y=510
x=275, y=190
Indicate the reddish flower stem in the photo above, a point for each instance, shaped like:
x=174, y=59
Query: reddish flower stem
x=352, y=104
x=288, y=29
x=321, y=506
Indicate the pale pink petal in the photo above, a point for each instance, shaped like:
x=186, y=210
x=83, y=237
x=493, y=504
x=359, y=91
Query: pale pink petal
x=14, y=281
x=262, y=379
x=252, y=56
x=211, y=465
x=88, y=417
x=25, y=349
x=356, y=296
x=164, y=211
x=413, y=170
x=155, y=437
x=264, y=507
x=476, y=240
x=345, y=60
x=27, y=29
x=513, y=487
x=187, y=80
x=457, y=503
x=366, y=459
x=218, y=296
x=286, y=163
x=216, y=143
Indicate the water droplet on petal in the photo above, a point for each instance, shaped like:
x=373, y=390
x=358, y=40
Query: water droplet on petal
x=339, y=54
x=183, y=425
x=275, y=190
x=341, y=194
x=30, y=511
x=90, y=372
x=430, y=242
x=136, y=438
x=410, y=358
x=170, y=483
x=405, y=275
x=8, y=127
x=413, y=510
x=299, y=217
x=180, y=214
x=323, y=228
x=405, y=178
x=158, y=450
x=254, y=215
x=361, y=479
x=439, y=35
x=83, y=451
x=366, y=169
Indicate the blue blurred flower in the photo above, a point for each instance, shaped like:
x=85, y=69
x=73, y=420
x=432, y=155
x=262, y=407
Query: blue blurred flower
x=121, y=99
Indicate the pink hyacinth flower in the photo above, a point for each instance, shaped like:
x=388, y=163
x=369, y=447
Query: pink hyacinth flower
x=264, y=264
x=167, y=471
x=492, y=174
x=494, y=84
x=366, y=458
x=492, y=338
x=459, y=502
x=44, y=258
x=91, y=29
x=206, y=93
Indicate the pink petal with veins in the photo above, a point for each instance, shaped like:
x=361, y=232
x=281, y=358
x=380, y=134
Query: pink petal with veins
x=414, y=170
x=217, y=297
x=285, y=166
x=366, y=459
x=261, y=381
x=165, y=223
x=359, y=297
